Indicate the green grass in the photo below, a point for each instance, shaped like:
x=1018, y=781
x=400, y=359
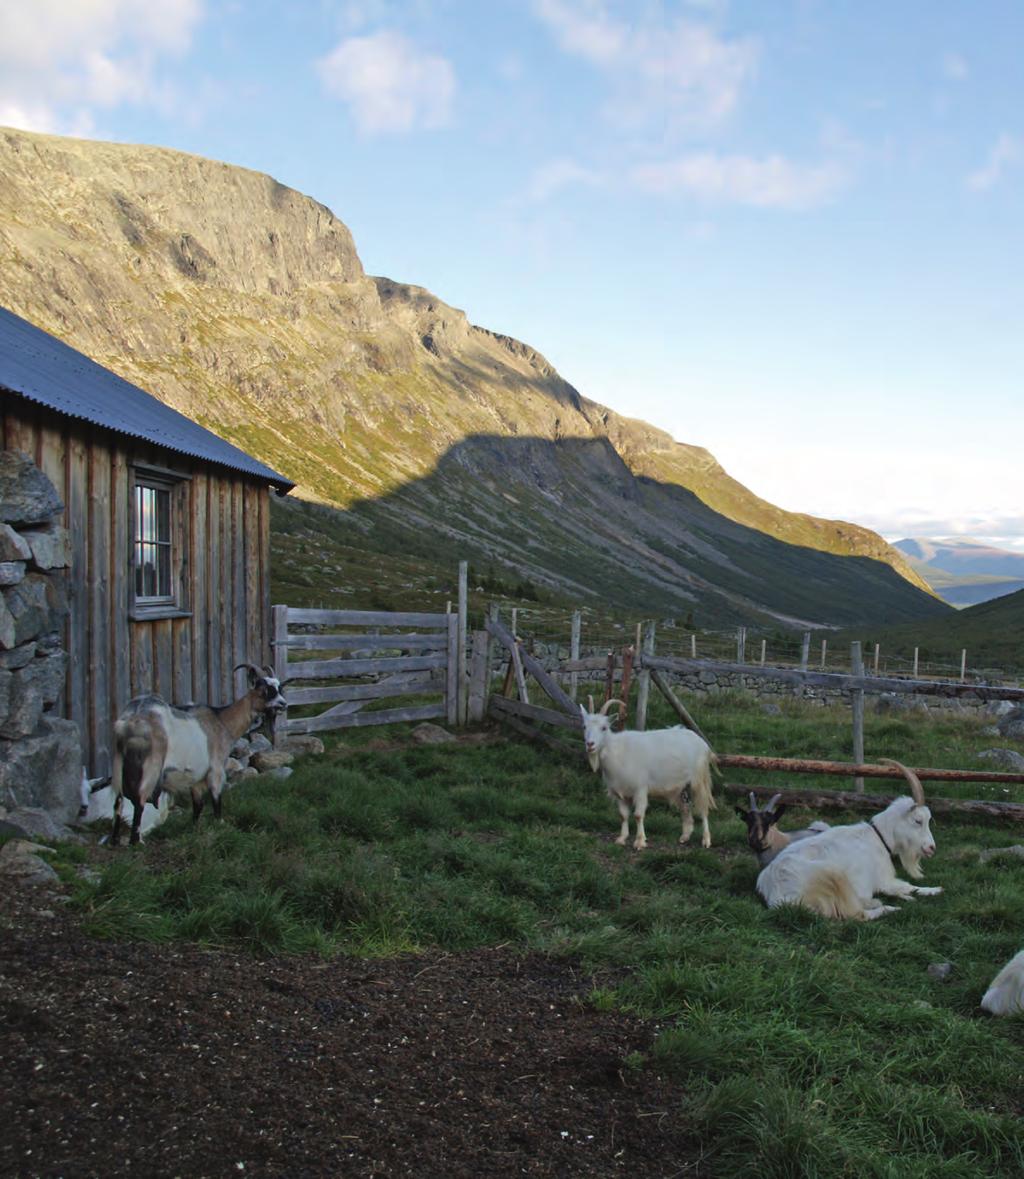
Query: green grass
x=803, y=1047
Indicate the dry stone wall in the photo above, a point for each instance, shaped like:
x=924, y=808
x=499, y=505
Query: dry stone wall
x=40, y=752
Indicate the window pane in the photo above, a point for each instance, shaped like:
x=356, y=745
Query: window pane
x=152, y=542
x=164, y=570
x=163, y=516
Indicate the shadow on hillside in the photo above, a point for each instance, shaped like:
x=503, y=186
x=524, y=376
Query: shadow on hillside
x=569, y=516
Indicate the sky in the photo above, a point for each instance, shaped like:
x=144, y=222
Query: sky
x=790, y=231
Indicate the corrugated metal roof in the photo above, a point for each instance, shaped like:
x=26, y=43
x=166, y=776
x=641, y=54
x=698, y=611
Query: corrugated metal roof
x=46, y=370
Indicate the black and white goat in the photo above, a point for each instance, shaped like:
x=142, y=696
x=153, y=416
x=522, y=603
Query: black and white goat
x=661, y=763
x=764, y=838
x=839, y=872
x=158, y=747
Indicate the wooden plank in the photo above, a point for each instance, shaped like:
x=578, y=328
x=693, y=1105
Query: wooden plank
x=278, y=645
x=266, y=625
x=517, y=667
x=535, y=712
x=376, y=691
x=76, y=499
x=479, y=667
x=451, y=692
x=803, y=765
x=817, y=800
x=224, y=611
x=643, y=690
x=212, y=604
x=99, y=607
x=255, y=637
x=368, y=642
x=307, y=616
x=663, y=686
x=819, y=679
x=163, y=658
x=142, y=658
x=181, y=647
x=857, y=708
x=386, y=716
x=461, y=680
x=121, y=573
x=534, y=667
x=530, y=731
x=199, y=542
x=574, y=651
x=326, y=668
x=240, y=652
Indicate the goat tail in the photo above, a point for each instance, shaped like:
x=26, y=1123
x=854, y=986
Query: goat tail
x=830, y=893
x=701, y=787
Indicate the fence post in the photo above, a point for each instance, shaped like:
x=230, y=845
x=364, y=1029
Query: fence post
x=463, y=683
x=857, y=704
x=824, y=649
x=693, y=645
x=805, y=650
x=451, y=682
x=963, y=665
x=915, y=662
x=279, y=643
x=643, y=690
x=479, y=676
x=574, y=651
x=515, y=622
x=878, y=647
x=764, y=645
x=741, y=645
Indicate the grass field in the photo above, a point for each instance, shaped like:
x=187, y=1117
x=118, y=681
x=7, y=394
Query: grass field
x=806, y=1048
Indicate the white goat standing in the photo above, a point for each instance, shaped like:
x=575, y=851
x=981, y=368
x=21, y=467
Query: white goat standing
x=1005, y=995
x=158, y=747
x=662, y=763
x=838, y=872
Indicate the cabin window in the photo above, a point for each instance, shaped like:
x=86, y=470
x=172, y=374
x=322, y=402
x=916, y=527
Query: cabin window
x=158, y=544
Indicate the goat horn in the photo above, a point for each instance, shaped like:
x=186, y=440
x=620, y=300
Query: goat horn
x=916, y=789
x=753, y=802
x=249, y=667
x=608, y=703
x=771, y=806
x=590, y=704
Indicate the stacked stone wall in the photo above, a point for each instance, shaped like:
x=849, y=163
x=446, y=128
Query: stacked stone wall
x=40, y=752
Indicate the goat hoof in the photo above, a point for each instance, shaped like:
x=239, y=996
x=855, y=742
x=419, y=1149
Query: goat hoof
x=621, y=841
x=638, y=846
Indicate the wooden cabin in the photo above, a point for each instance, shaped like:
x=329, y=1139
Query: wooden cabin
x=169, y=584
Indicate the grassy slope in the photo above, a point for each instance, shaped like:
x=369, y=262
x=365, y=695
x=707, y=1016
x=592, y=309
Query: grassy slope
x=803, y=1048
x=992, y=632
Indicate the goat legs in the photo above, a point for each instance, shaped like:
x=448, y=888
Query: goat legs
x=640, y=809
x=906, y=890
x=684, y=808
x=624, y=813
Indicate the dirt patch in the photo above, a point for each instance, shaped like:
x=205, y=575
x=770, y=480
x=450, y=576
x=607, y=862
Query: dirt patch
x=169, y=1060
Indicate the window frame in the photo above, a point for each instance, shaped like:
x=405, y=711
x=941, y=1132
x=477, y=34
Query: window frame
x=177, y=487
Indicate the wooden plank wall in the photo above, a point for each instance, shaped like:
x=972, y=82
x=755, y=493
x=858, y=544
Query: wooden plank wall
x=226, y=547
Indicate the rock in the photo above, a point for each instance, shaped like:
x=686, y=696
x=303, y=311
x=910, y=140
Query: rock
x=940, y=970
x=44, y=770
x=19, y=860
x=258, y=743
x=90, y=875
x=11, y=572
x=34, y=821
x=271, y=759
x=1007, y=759
x=51, y=546
x=241, y=748
x=428, y=734
x=771, y=710
x=1010, y=722
x=232, y=767
x=250, y=772
x=301, y=744
x=17, y=657
x=281, y=772
x=12, y=546
x=998, y=708
x=26, y=495
x=36, y=605
x=1014, y=849
x=1013, y=729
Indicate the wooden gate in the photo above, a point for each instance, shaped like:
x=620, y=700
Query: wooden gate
x=363, y=656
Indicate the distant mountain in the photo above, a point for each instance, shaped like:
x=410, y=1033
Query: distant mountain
x=244, y=304
x=962, y=570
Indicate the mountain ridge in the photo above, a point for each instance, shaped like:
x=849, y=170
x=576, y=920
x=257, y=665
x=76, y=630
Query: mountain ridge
x=244, y=304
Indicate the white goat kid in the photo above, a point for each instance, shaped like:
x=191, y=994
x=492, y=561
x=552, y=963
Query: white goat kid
x=636, y=767
x=1005, y=995
x=158, y=747
x=839, y=872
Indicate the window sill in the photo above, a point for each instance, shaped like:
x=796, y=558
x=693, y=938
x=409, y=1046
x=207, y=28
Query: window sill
x=156, y=613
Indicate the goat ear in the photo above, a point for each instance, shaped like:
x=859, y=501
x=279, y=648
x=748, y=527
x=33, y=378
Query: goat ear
x=778, y=812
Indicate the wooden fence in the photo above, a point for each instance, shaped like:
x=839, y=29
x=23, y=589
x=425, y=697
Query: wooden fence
x=386, y=655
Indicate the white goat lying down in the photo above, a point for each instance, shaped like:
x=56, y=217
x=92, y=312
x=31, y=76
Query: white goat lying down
x=1005, y=995
x=838, y=872
x=662, y=763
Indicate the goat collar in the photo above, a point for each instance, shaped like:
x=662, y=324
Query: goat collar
x=871, y=824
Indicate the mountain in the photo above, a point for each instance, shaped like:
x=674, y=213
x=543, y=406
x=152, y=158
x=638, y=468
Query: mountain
x=244, y=304
x=964, y=571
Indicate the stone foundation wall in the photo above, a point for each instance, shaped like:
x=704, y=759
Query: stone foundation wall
x=40, y=753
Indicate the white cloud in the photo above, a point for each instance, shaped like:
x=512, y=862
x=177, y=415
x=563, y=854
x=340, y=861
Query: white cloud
x=389, y=84
x=1007, y=151
x=559, y=174
x=769, y=182
x=59, y=61
x=955, y=68
x=678, y=69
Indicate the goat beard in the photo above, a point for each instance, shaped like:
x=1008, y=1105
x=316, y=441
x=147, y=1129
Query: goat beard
x=911, y=862
x=595, y=761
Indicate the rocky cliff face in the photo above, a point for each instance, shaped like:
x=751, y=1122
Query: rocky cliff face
x=244, y=304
